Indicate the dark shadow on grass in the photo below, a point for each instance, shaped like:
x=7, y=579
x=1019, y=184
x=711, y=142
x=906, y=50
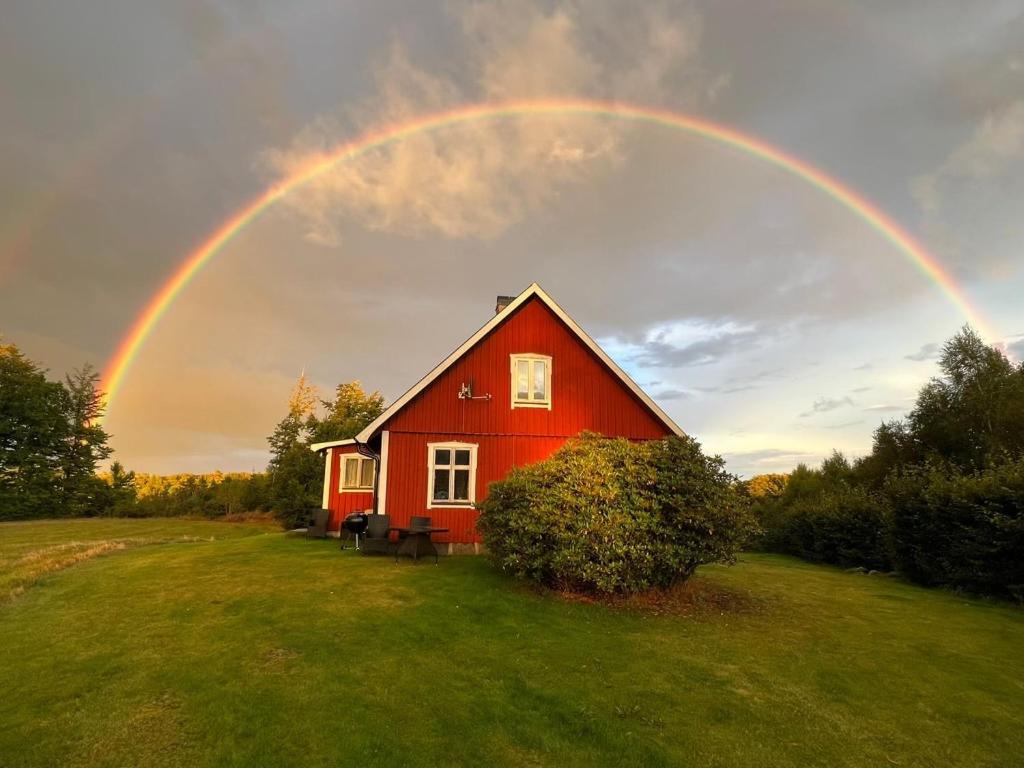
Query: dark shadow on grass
x=695, y=597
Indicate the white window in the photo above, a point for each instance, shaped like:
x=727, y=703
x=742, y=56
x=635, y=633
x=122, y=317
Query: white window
x=356, y=473
x=451, y=476
x=531, y=381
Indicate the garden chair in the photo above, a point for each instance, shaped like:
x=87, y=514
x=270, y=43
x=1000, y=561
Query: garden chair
x=375, y=541
x=416, y=521
x=318, y=527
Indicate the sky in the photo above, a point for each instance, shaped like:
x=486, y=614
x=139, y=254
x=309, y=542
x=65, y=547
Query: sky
x=771, y=323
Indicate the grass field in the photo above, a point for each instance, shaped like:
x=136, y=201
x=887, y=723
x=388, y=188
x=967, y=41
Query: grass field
x=225, y=644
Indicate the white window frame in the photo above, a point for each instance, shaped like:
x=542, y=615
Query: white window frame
x=530, y=402
x=342, y=488
x=449, y=504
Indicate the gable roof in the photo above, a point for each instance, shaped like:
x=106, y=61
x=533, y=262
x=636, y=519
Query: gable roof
x=533, y=291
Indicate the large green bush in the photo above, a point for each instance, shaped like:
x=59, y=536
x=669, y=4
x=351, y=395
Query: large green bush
x=613, y=516
x=963, y=530
x=840, y=525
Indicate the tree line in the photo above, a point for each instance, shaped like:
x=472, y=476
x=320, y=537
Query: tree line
x=52, y=445
x=940, y=498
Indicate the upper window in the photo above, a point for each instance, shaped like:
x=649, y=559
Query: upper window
x=452, y=474
x=356, y=473
x=531, y=381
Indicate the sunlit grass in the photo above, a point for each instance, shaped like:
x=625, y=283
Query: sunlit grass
x=30, y=551
x=272, y=650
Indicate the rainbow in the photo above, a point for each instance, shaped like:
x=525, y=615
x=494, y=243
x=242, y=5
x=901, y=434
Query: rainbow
x=121, y=361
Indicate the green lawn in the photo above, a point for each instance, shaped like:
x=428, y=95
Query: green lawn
x=257, y=649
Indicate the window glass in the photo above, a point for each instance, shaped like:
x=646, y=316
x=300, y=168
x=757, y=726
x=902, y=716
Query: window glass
x=442, y=457
x=522, y=379
x=351, y=472
x=366, y=477
x=440, y=485
x=461, y=489
x=539, y=380
x=462, y=458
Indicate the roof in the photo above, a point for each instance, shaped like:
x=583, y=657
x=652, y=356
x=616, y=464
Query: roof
x=533, y=291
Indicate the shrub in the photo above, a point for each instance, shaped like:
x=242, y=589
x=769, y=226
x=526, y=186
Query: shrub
x=840, y=525
x=613, y=516
x=963, y=530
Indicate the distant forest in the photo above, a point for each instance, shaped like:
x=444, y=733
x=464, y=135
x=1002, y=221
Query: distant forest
x=52, y=445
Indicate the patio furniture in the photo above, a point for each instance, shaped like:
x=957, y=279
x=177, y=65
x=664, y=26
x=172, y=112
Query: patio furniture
x=376, y=539
x=415, y=540
x=318, y=527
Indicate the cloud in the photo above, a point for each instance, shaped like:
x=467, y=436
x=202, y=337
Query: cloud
x=766, y=460
x=930, y=351
x=672, y=394
x=476, y=180
x=996, y=141
x=1016, y=349
x=844, y=425
x=859, y=390
x=826, y=404
x=885, y=408
x=693, y=341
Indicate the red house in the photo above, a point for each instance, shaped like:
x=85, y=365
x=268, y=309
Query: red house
x=512, y=394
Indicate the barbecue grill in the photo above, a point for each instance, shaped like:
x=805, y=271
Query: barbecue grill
x=355, y=524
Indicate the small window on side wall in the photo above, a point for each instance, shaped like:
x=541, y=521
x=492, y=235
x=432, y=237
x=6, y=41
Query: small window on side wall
x=531, y=381
x=356, y=473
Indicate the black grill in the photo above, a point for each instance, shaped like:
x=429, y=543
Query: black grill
x=356, y=523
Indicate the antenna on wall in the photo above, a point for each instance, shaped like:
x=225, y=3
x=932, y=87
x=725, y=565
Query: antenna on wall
x=466, y=392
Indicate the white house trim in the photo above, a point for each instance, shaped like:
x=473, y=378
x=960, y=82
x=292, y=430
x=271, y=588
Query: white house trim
x=328, y=463
x=522, y=298
x=382, y=474
x=316, y=447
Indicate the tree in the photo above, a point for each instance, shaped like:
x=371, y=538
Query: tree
x=296, y=473
x=766, y=486
x=33, y=436
x=348, y=413
x=85, y=444
x=972, y=415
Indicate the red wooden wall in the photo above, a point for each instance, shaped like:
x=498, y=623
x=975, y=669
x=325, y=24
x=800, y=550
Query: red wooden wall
x=586, y=395
x=342, y=504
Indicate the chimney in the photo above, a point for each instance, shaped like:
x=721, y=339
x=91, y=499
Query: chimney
x=502, y=302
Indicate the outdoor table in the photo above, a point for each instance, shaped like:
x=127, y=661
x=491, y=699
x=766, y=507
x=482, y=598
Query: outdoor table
x=417, y=541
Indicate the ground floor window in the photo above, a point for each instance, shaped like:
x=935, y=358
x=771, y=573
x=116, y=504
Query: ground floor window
x=356, y=473
x=451, y=474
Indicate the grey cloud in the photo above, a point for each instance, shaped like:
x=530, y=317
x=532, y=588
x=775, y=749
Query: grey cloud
x=477, y=180
x=661, y=354
x=1016, y=349
x=826, y=404
x=859, y=390
x=930, y=351
x=671, y=394
x=748, y=463
x=885, y=408
x=745, y=383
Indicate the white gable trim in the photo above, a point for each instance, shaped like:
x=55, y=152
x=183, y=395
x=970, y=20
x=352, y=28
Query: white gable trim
x=317, y=447
x=533, y=290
